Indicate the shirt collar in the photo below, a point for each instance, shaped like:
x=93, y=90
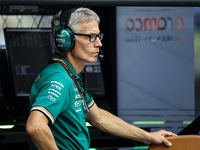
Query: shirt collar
x=71, y=68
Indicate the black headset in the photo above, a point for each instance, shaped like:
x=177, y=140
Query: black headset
x=64, y=37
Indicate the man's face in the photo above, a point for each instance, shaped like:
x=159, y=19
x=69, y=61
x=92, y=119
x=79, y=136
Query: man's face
x=84, y=50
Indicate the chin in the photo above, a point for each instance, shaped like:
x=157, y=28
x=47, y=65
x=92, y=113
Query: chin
x=93, y=60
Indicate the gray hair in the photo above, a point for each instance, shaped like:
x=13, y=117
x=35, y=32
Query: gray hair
x=81, y=15
x=77, y=16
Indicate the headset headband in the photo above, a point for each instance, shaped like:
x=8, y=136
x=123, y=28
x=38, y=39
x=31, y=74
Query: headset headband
x=65, y=16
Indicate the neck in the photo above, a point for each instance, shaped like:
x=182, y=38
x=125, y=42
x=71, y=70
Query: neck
x=77, y=64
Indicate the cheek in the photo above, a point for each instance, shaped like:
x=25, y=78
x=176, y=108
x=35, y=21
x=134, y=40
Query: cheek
x=86, y=53
x=81, y=52
x=83, y=48
x=81, y=44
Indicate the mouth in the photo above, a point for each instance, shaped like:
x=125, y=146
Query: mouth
x=96, y=54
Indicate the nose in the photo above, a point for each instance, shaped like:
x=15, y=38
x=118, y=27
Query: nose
x=98, y=43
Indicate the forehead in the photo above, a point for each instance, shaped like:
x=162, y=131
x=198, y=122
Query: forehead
x=90, y=26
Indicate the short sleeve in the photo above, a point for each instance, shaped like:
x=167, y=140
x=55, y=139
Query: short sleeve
x=89, y=100
x=53, y=95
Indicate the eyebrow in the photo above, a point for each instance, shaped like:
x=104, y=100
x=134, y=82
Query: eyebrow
x=93, y=33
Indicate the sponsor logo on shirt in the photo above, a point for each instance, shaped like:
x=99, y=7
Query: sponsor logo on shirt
x=78, y=110
x=56, y=82
x=56, y=86
x=54, y=91
x=77, y=96
x=38, y=77
x=53, y=94
x=78, y=104
x=51, y=98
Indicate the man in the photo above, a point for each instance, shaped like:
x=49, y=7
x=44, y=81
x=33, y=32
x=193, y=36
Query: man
x=59, y=104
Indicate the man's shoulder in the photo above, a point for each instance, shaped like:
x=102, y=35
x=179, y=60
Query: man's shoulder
x=54, y=67
x=54, y=71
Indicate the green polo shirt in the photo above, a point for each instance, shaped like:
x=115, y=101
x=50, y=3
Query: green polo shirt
x=55, y=92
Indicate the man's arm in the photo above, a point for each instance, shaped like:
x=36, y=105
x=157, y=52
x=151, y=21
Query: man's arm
x=39, y=131
x=109, y=123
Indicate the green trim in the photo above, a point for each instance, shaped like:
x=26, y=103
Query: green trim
x=149, y=122
x=187, y=122
x=6, y=126
x=141, y=147
x=88, y=124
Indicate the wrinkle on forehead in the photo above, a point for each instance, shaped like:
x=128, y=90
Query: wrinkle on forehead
x=90, y=26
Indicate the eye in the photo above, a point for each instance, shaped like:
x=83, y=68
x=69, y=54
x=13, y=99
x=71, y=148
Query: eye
x=93, y=37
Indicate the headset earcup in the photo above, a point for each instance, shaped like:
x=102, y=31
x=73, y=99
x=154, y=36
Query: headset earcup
x=64, y=40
